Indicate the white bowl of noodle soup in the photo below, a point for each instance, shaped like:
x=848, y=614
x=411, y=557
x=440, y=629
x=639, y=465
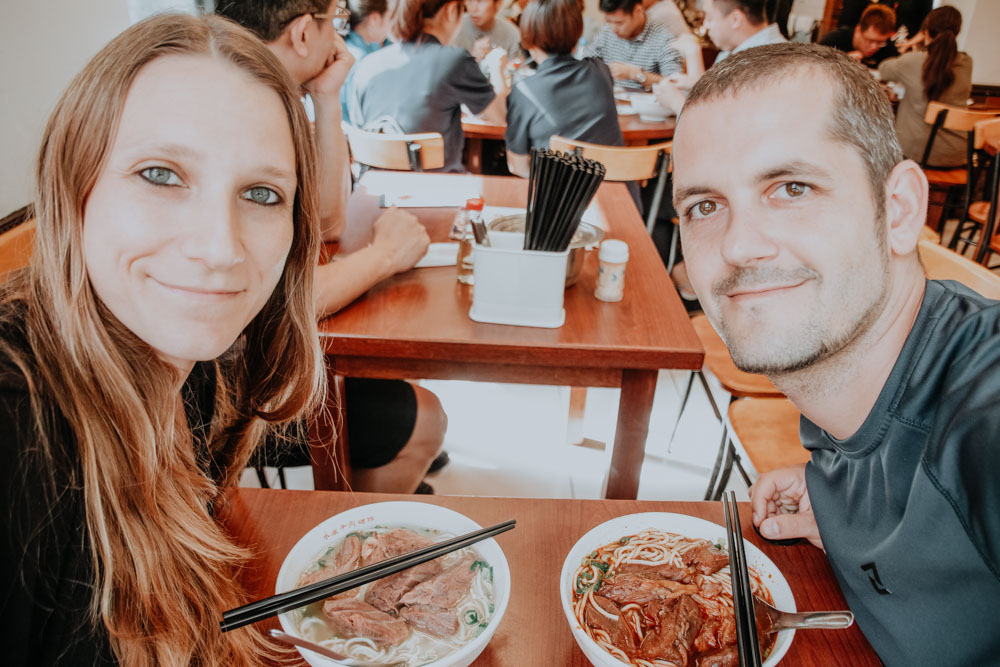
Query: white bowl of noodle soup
x=436, y=522
x=688, y=526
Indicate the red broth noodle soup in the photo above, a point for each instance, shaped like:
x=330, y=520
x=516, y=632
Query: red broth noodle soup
x=658, y=599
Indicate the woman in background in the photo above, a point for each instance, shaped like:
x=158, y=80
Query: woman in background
x=369, y=33
x=565, y=97
x=165, y=324
x=418, y=84
x=941, y=73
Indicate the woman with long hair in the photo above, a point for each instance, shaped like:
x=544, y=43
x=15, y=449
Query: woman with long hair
x=937, y=73
x=165, y=324
x=419, y=83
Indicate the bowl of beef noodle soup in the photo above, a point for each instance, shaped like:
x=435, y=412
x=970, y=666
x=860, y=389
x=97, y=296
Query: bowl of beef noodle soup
x=653, y=590
x=440, y=613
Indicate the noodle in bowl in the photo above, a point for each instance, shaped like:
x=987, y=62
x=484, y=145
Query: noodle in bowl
x=479, y=612
x=656, y=540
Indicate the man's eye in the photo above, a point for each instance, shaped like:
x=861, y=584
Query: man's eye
x=703, y=209
x=262, y=195
x=793, y=190
x=160, y=176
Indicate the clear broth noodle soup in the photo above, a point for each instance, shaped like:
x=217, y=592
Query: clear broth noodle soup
x=613, y=594
x=473, y=610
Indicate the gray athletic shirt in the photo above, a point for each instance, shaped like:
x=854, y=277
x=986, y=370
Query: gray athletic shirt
x=909, y=506
x=422, y=86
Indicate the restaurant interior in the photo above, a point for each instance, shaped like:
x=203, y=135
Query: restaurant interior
x=535, y=349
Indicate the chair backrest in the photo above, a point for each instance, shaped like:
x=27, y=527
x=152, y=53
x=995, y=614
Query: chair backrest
x=943, y=264
x=984, y=132
x=16, y=245
x=633, y=163
x=402, y=152
x=948, y=117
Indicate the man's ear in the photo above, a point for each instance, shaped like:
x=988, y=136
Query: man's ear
x=295, y=32
x=905, y=206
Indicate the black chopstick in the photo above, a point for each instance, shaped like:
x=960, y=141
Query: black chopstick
x=747, y=643
x=300, y=597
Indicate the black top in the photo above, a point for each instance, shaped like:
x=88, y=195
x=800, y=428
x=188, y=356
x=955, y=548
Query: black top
x=419, y=87
x=909, y=506
x=910, y=13
x=46, y=575
x=842, y=39
x=565, y=97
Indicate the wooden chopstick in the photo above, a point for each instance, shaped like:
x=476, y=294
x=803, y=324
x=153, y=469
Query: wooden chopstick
x=747, y=643
x=320, y=590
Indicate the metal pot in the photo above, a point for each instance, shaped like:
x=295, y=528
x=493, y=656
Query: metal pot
x=587, y=237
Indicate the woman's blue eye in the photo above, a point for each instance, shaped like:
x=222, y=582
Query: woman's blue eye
x=160, y=176
x=262, y=195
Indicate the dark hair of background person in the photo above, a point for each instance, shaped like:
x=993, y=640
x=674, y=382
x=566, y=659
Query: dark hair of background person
x=860, y=114
x=609, y=6
x=880, y=17
x=778, y=12
x=554, y=26
x=942, y=26
x=753, y=9
x=267, y=18
x=361, y=9
x=406, y=17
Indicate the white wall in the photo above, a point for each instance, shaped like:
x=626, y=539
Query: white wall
x=980, y=37
x=42, y=47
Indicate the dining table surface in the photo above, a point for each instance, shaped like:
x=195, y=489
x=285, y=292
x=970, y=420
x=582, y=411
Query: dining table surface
x=635, y=131
x=416, y=324
x=535, y=630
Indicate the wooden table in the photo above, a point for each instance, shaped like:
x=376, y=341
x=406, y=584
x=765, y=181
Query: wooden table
x=417, y=325
x=636, y=132
x=534, y=631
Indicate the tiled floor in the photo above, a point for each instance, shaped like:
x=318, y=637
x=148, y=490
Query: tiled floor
x=511, y=440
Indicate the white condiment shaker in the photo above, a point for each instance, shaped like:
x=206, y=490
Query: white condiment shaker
x=611, y=276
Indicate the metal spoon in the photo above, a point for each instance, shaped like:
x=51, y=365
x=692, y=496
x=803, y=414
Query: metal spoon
x=782, y=620
x=325, y=652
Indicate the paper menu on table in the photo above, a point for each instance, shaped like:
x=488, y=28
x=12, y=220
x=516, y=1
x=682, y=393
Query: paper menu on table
x=395, y=189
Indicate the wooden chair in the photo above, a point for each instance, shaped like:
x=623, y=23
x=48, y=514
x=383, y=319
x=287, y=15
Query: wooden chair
x=738, y=383
x=633, y=163
x=768, y=430
x=952, y=181
x=400, y=152
x=940, y=263
x=16, y=244
x=986, y=139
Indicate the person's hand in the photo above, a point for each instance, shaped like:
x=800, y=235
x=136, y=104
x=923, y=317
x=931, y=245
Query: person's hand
x=624, y=71
x=781, y=508
x=683, y=82
x=856, y=55
x=481, y=47
x=401, y=239
x=331, y=79
x=669, y=95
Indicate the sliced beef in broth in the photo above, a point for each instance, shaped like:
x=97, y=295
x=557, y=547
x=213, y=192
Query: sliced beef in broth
x=685, y=575
x=725, y=657
x=432, y=620
x=396, y=542
x=626, y=588
x=345, y=561
x=707, y=559
x=677, y=624
x=446, y=589
x=385, y=594
x=620, y=633
x=350, y=617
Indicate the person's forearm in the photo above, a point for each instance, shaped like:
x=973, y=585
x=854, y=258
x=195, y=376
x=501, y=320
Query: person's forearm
x=334, y=167
x=340, y=282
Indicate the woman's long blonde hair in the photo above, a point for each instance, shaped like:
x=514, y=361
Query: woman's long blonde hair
x=164, y=570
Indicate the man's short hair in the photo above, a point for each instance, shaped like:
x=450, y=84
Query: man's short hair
x=861, y=115
x=753, y=9
x=627, y=6
x=880, y=17
x=554, y=26
x=268, y=18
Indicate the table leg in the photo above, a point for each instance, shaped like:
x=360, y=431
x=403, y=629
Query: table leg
x=634, y=408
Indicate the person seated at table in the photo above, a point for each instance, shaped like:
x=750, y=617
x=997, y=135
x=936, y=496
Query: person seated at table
x=369, y=32
x=802, y=248
x=733, y=26
x=166, y=323
x=481, y=30
x=868, y=41
x=941, y=73
x=910, y=14
x=566, y=97
x=638, y=51
x=418, y=84
x=395, y=428
x=666, y=14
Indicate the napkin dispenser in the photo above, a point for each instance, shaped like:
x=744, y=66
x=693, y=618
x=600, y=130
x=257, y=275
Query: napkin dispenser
x=518, y=286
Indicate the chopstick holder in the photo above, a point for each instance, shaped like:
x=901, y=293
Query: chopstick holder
x=747, y=643
x=320, y=590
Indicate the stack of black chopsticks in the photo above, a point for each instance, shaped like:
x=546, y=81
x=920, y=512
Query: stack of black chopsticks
x=560, y=187
x=300, y=597
x=747, y=643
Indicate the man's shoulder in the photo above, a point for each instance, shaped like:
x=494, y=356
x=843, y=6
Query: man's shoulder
x=657, y=33
x=837, y=37
x=506, y=29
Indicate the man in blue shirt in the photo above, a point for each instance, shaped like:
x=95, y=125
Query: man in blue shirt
x=800, y=220
x=369, y=33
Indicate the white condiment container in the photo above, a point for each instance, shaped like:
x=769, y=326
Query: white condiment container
x=612, y=257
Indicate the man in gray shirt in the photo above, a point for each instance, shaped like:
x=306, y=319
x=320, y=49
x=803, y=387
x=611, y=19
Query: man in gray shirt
x=482, y=30
x=800, y=219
